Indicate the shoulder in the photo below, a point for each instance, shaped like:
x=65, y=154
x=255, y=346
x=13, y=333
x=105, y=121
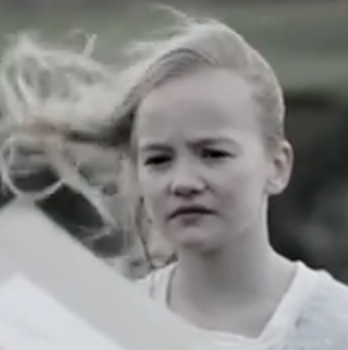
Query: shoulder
x=325, y=316
x=330, y=297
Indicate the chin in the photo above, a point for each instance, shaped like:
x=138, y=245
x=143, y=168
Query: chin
x=195, y=242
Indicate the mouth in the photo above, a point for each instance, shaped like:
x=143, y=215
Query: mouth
x=190, y=211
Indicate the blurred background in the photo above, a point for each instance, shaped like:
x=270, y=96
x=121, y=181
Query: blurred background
x=306, y=42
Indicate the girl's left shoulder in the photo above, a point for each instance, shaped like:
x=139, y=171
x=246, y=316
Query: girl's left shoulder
x=324, y=319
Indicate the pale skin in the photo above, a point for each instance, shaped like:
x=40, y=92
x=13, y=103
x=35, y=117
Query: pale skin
x=198, y=140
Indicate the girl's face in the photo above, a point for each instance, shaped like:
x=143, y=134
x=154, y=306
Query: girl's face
x=202, y=165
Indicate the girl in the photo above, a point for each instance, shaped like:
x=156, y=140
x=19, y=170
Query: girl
x=198, y=124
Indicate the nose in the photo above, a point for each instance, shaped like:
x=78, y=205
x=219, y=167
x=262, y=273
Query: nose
x=185, y=181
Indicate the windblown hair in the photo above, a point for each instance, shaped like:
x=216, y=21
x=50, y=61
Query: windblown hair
x=63, y=109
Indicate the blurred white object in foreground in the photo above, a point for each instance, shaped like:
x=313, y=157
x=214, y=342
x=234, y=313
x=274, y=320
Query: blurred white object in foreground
x=42, y=268
x=30, y=319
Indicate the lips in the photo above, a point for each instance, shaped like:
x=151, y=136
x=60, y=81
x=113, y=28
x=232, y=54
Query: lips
x=190, y=210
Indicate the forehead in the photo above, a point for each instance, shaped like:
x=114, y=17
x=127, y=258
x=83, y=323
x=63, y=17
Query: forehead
x=207, y=104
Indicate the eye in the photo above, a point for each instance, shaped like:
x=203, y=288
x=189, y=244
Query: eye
x=214, y=154
x=157, y=160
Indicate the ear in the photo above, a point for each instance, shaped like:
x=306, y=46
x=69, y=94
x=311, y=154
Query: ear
x=282, y=159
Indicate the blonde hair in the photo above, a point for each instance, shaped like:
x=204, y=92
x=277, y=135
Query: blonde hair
x=73, y=99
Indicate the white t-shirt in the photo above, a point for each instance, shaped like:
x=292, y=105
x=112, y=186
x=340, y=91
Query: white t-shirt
x=313, y=314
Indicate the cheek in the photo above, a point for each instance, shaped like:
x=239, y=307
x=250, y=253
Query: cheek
x=152, y=191
x=243, y=182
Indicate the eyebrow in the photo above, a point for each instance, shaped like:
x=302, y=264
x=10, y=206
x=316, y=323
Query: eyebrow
x=155, y=146
x=212, y=140
x=207, y=141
